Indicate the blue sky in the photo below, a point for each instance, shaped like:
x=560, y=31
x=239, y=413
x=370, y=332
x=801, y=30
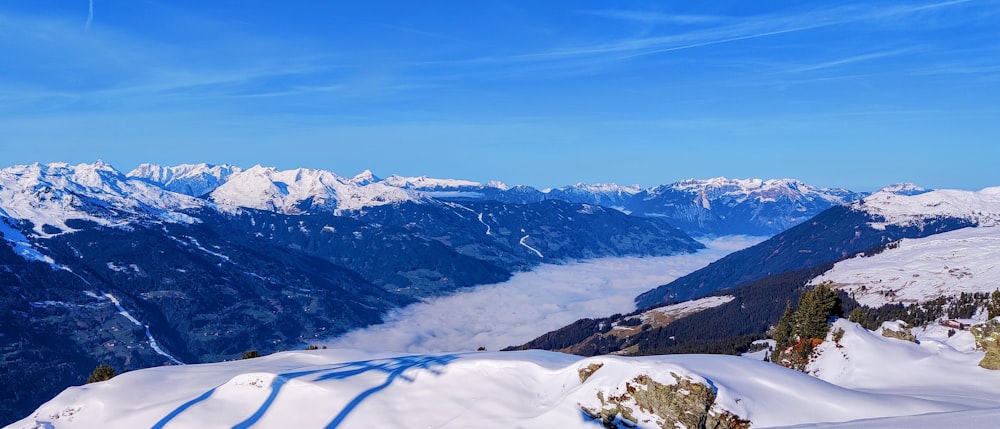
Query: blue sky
x=853, y=95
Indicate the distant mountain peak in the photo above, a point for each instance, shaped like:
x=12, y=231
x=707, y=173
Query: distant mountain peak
x=904, y=189
x=498, y=184
x=365, y=177
x=190, y=179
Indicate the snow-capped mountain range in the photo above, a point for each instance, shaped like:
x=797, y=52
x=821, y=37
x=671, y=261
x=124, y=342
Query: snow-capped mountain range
x=716, y=206
x=51, y=195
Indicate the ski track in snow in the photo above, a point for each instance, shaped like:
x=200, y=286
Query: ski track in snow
x=149, y=336
x=488, y=228
x=529, y=247
x=193, y=242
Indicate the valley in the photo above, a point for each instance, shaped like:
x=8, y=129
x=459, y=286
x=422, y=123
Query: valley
x=405, y=277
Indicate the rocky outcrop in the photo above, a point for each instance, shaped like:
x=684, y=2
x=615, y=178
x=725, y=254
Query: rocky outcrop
x=589, y=370
x=901, y=334
x=988, y=339
x=643, y=401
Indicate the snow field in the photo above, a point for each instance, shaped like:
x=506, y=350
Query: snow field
x=922, y=269
x=866, y=377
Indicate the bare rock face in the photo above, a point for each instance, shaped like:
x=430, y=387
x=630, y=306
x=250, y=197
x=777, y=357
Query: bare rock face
x=644, y=401
x=903, y=334
x=988, y=339
x=589, y=370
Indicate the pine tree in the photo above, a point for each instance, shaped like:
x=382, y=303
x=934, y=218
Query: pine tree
x=101, y=373
x=993, y=308
x=783, y=331
x=815, y=308
x=858, y=316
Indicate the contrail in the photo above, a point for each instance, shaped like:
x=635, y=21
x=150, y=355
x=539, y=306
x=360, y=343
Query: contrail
x=90, y=15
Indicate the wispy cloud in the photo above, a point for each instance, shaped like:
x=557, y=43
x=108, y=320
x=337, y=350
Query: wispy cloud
x=90, y=15
x=852, y=60
x=648, y=17
x=110, y=67
x=729, y=31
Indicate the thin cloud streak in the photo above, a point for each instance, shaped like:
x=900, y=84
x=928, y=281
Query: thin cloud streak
x=90, y=15
x=852, y=60
x=743, y=30
x=646, y=17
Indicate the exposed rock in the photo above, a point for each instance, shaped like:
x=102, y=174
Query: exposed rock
x=644, y=401
x=726, y=420
x=902, y=334
x=988, y=339
x=589, y=370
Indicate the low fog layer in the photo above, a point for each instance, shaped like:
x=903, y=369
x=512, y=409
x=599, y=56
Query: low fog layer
x=531, y=303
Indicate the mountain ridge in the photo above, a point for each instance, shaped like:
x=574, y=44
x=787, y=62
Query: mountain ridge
x=716, y=206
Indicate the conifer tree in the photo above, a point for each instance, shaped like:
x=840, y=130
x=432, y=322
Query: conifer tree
x=783, y=331
x=101, y=373
x=993, y=308
x=815, y=308
x=857, y=316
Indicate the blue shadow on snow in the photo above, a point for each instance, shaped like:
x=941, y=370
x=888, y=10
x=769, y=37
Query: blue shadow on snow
x=392, y=367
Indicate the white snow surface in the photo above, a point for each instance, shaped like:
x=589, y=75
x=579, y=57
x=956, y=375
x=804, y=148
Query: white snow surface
x=55, y=193
x=688, y=307
x=19, y=243
x=982, y=207
x=865, y=381
x=941, y=370
x=530, y=303
x=921, y=269
x=300, y=190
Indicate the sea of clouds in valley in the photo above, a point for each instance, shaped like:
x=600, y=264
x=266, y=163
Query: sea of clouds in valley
x=531, y=303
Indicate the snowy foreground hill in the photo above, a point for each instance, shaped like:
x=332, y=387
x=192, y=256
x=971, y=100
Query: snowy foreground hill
x=864, y=380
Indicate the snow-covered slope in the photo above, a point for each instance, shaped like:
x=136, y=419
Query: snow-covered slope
x=981, y=208
x=51, y=195
x=303, y=190
x=921, y=269
x=189, y=179
x=352, y=389
x=939, y=368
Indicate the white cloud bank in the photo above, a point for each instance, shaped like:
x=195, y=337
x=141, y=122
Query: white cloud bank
x=531, y=303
